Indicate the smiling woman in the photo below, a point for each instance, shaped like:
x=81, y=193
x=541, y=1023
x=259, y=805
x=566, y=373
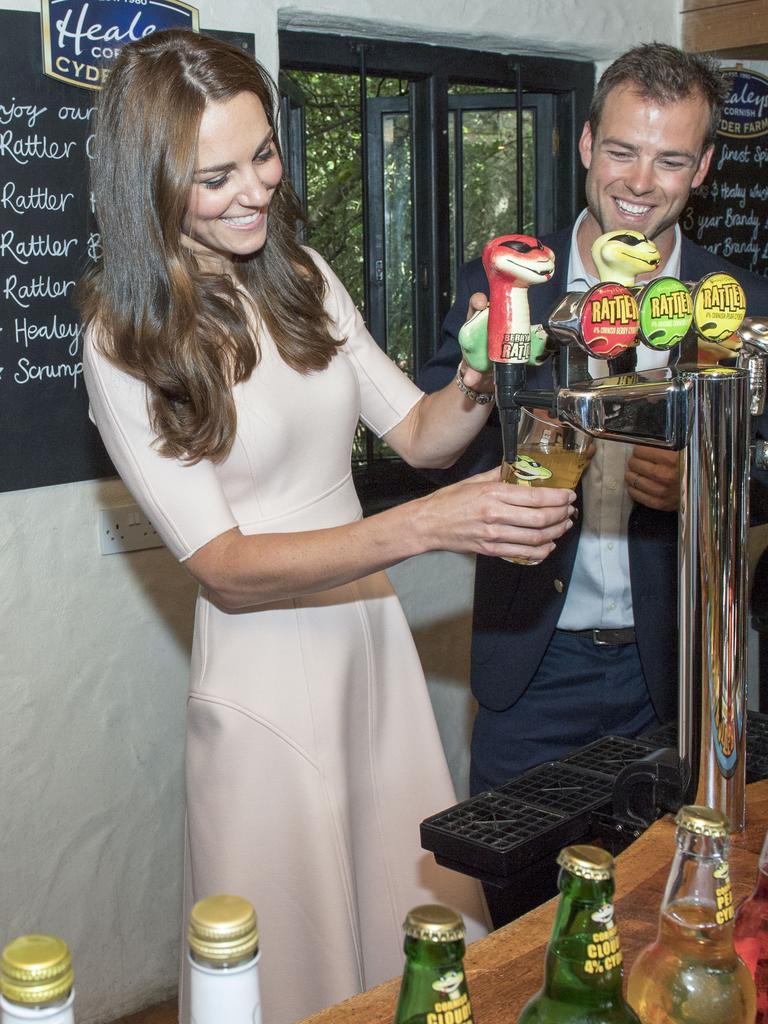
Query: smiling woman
x=228, y=203
x=227, y=369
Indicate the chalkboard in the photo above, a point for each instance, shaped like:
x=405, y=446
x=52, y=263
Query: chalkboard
x=728, y=213
x=47, y=238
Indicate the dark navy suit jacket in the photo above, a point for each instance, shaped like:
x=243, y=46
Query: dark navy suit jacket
x=516, y=608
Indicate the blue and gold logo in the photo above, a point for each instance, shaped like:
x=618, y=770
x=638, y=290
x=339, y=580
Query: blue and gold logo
x=745, y=112
x=82, y=37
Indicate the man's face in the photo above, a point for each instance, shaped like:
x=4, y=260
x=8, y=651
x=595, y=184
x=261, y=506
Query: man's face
x=642, y=163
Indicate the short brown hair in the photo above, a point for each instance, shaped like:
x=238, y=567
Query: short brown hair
x=665, y=74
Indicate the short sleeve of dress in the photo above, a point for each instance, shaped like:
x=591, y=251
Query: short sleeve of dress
x=185, y=502
x=386, y=393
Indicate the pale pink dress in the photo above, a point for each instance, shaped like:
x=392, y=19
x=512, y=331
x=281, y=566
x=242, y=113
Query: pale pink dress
x=312, y=750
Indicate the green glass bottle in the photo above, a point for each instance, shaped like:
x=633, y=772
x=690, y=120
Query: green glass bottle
x=433, y=989
x=582, y=970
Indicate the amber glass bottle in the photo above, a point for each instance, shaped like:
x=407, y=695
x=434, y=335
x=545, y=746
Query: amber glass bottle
x=691, y=974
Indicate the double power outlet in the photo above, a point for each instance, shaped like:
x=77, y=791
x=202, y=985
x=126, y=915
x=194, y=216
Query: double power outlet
x=126, y=529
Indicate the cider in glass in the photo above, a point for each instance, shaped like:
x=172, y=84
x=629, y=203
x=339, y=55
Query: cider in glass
x=549, y=454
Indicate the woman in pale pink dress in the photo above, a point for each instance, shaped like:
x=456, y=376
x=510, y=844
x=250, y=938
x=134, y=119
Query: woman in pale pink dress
x=227, y=369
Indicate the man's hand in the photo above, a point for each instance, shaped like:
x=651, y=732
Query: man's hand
x=653, y=478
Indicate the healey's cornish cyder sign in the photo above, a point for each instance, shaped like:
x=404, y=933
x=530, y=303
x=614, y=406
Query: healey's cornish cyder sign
x=81, y=37
x=745, y=112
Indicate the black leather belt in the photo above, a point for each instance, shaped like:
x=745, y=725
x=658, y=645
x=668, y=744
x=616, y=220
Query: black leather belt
x=605, y=637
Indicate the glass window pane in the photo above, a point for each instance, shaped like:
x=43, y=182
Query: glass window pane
x=398, y=239
x=489, y=150
x=334, y=193
x=333, y=172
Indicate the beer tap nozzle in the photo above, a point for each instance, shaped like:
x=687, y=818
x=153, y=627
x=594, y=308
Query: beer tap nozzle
x=509, y=380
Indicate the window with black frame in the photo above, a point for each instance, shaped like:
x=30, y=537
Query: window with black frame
x=406, y=169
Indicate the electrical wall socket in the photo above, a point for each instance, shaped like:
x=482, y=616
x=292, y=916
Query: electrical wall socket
x=126, y=529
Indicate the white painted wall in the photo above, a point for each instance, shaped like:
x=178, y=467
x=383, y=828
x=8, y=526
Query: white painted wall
x=93, y=650
x=592, y=30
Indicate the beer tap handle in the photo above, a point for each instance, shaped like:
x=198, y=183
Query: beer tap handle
x=512, y=263
x=473, y=342
x=719, y=308
x=621, y=256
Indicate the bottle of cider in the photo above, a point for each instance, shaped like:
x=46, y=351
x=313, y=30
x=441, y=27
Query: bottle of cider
x=433, y=989
x=36, y=981
x=224, y=955
x=691, y=974
x=750, y=935
x=582, y=969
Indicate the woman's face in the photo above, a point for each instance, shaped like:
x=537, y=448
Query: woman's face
x=236, y=174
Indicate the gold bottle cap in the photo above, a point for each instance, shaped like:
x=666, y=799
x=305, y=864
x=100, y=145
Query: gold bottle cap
x=36, y=970
x=434, y=923
x=223, y=929
x=588, y=862
x=704, y=821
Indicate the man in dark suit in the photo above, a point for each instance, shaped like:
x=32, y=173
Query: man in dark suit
x=585, y=644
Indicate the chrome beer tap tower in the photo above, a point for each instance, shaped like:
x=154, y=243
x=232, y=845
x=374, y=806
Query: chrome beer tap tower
x=703, y=411
x=702, y=404
x=694, y=405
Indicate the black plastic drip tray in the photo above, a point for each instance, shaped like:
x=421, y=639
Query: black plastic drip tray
x=559, y=787
x=497, y=833
x=611, y=754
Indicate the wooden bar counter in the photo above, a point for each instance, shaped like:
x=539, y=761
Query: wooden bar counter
x=506, y=968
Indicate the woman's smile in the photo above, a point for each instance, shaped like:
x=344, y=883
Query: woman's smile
x=238, y=170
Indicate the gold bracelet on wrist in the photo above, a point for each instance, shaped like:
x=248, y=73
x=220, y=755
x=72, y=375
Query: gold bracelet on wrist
x=481, y=397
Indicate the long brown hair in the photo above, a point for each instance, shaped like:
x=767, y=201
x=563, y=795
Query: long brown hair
x=156, y=312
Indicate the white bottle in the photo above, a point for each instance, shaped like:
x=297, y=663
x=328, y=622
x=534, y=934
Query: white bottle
x=36, y=981
x=224, y=954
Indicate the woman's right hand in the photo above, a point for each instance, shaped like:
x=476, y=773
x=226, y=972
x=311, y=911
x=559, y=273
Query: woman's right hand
x=487, y=517
x=473, y=341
